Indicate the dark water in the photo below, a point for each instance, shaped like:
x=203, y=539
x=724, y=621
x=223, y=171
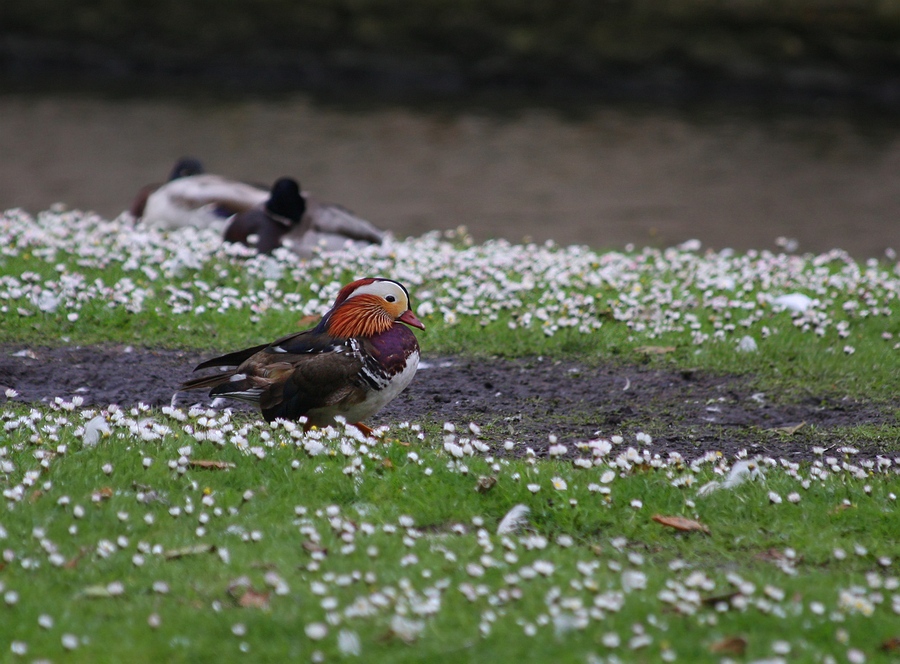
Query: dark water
x=604, y=176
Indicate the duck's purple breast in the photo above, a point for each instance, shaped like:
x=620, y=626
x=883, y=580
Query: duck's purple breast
x=392, y=348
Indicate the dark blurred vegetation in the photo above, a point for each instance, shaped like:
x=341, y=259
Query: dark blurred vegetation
x=849, y=46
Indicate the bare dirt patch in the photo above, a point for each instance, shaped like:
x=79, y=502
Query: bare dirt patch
x=529, y=400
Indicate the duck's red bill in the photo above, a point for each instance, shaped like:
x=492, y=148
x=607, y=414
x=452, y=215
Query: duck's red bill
x=409, y=318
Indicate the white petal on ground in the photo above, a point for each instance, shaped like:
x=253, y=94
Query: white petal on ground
x=94, y=429
x=741, y=472
x=514, y=519
x=405, y=628
x=316, y=631
x=746, y=469
x=793, y=302
x=633, y=580
x=348, y=643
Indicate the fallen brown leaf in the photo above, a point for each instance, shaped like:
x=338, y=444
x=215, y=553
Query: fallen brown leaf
x=390, y=635
x=891, y=645
x=387, y=463
x=261, y=564
x=771, y=555
x=104, y=493
x=655, y=350
x=680, y=523
x=72, y=562
x=485, y=483
x=254, y=599
x=788, y=431
x=193, y=550
x=95, y=592
x=717, y=599
x=312, y=547
x=306, y=321
x=210, y=464
x=730, y=645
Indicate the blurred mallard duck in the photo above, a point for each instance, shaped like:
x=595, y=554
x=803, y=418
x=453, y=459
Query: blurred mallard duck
x=192, y=197
x=280, y=214
x=330, y=227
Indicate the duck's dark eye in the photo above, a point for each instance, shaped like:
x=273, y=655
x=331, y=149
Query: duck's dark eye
x=390, y=298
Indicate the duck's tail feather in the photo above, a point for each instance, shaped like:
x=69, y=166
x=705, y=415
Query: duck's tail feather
x=228, y=384
x=231, y=359
x=240, y=386
x=207, y=382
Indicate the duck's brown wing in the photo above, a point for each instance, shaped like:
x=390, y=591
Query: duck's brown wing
x=140, y=200
x=296, y=343
x=315, y=382
x=290, y=376
x=289, y=385
x=336, y=220
x=234, y=359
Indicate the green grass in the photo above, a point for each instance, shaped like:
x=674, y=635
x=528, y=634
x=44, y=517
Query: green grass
x=90, y=532
x=198, y=614
x=494, y=299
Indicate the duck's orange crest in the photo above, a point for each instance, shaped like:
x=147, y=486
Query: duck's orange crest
x=360, y=316
x=345, y=292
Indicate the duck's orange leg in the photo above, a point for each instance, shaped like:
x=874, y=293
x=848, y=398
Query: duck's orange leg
x=366, y=431
x=370, y=433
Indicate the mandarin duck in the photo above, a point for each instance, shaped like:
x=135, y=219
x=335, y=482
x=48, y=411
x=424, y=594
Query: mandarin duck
x=355, y=361
x=269, y=222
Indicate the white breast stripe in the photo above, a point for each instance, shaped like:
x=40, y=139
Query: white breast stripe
x=374, y=376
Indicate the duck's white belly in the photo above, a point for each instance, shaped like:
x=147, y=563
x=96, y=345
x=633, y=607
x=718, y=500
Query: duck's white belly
x=165, y=216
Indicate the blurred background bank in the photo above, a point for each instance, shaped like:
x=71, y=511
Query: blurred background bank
x=605, y=123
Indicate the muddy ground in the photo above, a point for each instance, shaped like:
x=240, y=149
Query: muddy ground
x=690, y=412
